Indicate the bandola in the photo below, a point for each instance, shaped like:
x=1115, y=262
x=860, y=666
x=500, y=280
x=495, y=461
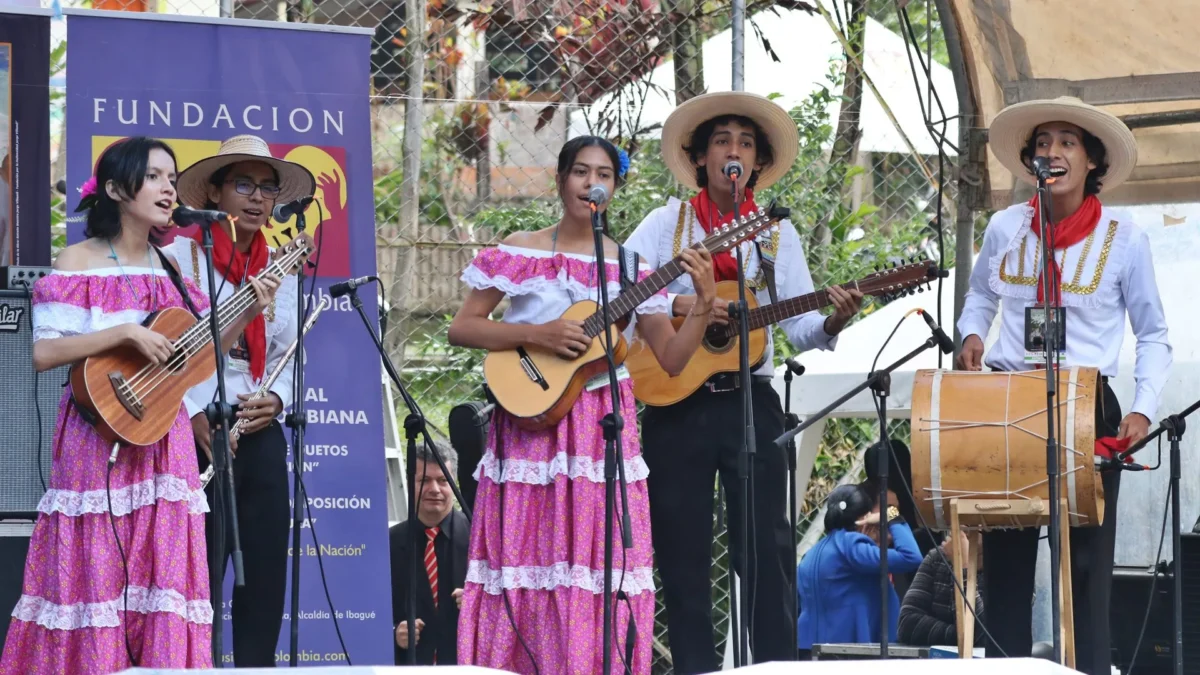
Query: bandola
x=983, y=436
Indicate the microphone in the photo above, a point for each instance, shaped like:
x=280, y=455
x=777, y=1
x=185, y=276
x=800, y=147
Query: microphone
x=342, y=288
x=598, y=196
x=1041, y=168
x=794, y=366
x=1105, y=464
x=944, y=341
x=185, y=215
x=284, y=212
x=733, y=170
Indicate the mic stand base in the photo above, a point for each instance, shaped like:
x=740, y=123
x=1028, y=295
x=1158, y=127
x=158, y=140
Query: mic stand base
x=224, y=508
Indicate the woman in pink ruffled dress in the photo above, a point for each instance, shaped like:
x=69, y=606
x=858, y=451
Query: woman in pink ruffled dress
x=116, y=574
x=534, y=593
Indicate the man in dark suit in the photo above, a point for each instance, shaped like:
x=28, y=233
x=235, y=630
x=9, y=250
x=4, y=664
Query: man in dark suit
x=442, y=565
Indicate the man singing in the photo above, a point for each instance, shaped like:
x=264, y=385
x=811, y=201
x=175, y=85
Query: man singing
x=1103, y=271
x=442, y=565
x=687, y=443
x=244, y=180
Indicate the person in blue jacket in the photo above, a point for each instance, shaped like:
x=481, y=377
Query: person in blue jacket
x=838, y=580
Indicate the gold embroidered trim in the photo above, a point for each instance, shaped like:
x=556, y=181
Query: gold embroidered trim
x=684, y=223
x=1073, y=288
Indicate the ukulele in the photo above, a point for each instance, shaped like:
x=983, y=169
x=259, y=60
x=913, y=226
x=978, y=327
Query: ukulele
x=131, y=401
x=719, y=351
x=538, y=387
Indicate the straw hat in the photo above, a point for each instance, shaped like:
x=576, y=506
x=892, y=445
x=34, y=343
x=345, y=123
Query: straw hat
x=774, y=121
x=294, y=180
x=1012, y=127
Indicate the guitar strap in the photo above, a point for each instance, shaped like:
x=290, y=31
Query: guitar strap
x=628, y=260
x=766, y=261
x=177, y=280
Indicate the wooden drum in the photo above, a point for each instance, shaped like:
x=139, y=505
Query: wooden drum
x=983, y=436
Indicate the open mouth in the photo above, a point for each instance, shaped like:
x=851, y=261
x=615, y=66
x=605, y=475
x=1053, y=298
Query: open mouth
x=1057, y=171
x=252, y=213
x=163, y=204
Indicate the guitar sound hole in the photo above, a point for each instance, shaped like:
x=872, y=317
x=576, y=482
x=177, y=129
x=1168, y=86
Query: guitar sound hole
x=716, y=340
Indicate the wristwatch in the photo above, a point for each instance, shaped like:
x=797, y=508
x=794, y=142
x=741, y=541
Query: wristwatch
x=893, y=513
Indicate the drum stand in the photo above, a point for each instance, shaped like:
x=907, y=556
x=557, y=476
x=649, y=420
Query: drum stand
x=980, y=511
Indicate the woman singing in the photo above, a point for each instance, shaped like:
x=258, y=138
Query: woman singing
x=533, y=599
x=116, y=574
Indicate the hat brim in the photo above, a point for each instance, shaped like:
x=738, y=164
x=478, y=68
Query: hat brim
x=775, y=122
x=1011, y=129
x=295, y=181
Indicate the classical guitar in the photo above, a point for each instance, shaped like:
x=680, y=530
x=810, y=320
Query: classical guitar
x=719, y=351
x=538, y=387
x=128, y=400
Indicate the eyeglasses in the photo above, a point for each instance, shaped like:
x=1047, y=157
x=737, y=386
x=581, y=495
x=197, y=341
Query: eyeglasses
x=245, y=186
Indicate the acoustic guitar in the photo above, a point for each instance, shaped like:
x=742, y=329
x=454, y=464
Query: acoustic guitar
x=719, y=350
x=131, y=401
x=538, y=387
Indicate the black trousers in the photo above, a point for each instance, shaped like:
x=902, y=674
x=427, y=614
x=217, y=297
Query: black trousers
x=260, y=481
x=1010, y=558
x=686, y=445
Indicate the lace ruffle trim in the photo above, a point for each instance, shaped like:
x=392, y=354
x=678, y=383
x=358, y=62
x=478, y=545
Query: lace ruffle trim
x=33, y=609
x=125, y=500
x=544, y=473
x=559, y=575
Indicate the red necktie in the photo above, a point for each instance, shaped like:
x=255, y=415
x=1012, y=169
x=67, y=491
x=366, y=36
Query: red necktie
x=431, y=566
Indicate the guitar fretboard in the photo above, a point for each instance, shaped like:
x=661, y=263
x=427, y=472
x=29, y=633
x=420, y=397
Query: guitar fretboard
x=640, y=292
x=778, y=311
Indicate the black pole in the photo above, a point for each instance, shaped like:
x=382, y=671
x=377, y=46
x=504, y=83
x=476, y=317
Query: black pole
x=1174, y=435
x=614, y=458
x=790, y=421
x=746, y=457
x=1050, y=334
x=296, y=421
x=882, y=387
x=412, y=429
x=224, y=508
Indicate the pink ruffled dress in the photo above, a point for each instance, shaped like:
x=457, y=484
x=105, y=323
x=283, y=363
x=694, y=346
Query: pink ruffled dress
x=548, y=558
x=71, y=616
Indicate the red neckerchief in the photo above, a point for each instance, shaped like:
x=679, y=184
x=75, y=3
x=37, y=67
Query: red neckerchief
x=1068, y=232
x=724, y=264
x=237, y=269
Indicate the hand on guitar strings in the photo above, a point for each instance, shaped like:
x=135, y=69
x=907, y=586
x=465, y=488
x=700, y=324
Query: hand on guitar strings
x=264, y=291
x=697, y=262
x=259, y=412
x=846, y=304
x=203, y=435
x=564, y=337
x=155, y=347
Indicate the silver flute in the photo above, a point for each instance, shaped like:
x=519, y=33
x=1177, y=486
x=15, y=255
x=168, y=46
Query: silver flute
x=236, y=431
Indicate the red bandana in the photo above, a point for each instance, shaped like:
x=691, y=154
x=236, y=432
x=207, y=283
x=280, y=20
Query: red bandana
x=1068, y=232
x=710, y=217
x=236, y=269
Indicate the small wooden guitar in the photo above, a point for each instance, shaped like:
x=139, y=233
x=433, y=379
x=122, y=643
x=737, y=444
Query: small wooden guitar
x=133, y=402
x=538, y=387
x=719, y=351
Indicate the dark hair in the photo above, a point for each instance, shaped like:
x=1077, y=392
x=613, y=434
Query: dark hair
x=217, y=179
x=698, y=146
x=124, y=163
x=1096, y=154
x=899, y=477
x=570, y=150
x=857, y=504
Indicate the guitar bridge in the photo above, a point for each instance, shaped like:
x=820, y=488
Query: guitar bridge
x=531, y=369
x=125, y=395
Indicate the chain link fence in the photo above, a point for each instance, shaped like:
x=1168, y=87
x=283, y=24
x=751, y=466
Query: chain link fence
x=466, y=136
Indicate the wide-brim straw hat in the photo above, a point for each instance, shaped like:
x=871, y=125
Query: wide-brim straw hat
x=773, y=119
x=295, y=181
x=1011, y=129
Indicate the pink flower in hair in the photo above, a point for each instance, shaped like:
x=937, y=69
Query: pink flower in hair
x=88, y=188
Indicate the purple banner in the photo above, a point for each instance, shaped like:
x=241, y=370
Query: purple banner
x=304, y=90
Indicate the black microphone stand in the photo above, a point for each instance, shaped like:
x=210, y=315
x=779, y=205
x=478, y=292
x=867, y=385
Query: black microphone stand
x=614, y=456
x=740, y=311
x=220, y=418
x=790, y=421
x=414, y=426
x=1173, y=426
x=296, y=421
x=1050, y=333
